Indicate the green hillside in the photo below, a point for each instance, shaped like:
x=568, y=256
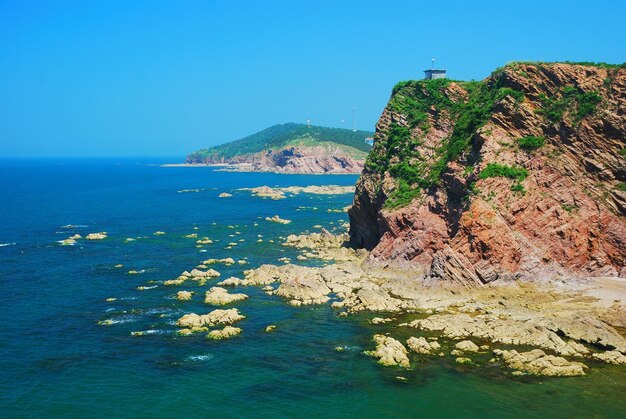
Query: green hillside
x=283, y=135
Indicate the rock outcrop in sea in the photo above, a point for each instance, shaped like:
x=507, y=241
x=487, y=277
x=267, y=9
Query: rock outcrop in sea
x=519, y=176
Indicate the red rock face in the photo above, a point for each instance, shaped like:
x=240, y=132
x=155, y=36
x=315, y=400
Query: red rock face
x=570, y=220
x=301, y=160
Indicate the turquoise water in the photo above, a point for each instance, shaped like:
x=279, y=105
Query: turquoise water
x=56, y=360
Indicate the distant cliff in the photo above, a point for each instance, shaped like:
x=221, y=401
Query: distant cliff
x=521, y=175
x=292, y=148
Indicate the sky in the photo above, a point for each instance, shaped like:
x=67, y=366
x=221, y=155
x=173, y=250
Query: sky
x=164, y=78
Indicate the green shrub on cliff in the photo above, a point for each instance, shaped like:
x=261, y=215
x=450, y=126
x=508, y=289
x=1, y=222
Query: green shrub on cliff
x=531, y=142
x=502, y=170
x=402, y=195
x=577, y=103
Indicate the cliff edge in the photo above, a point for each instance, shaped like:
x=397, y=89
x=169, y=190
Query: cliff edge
x=519, y=176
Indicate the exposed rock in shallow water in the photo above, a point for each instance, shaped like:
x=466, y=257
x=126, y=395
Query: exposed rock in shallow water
x=279, y=193
x=467, y=346
x=97, y=236
x=225, y=333
x=184, y=295
x=219, y=296
x=536, y=362
x=200, y=322
x=277, y=219
x=230, y=282
x=422, y=346
x=611, y=357
x=389, y=352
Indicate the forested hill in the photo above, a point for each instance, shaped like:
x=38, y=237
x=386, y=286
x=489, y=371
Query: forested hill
x=281, y=136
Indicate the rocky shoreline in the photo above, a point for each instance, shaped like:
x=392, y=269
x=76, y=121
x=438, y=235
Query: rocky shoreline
x=530, y=328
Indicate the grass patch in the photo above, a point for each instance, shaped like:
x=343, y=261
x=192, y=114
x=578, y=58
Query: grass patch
x=569, y=207
x=621, y=186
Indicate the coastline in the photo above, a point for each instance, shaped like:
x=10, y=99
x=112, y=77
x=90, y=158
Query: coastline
x=246, y=168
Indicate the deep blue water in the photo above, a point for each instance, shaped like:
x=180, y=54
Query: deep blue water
x=56, y=360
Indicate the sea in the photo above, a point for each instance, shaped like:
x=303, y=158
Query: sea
x=68, y=312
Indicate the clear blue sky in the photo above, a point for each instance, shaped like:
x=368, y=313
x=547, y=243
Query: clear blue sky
x=158, y=78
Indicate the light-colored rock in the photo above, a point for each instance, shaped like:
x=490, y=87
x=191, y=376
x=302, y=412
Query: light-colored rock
x=198, y=321
x=380, y=320
x=277, y=219
x=467, y=346
x=422, y=346
x=219, y=296
x=184, y=295
x=158, y=233
x=96, y=236
x=225, y=195
x=230, y=282
x=389, y=352
x=611, y=357
x=270, y=328
x=225, y=333
x=536, y=362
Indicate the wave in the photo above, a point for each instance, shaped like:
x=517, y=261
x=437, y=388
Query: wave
x=119, y=320
x=149, y=332
x=75, y=226
x=6, y=244
x=200, y=358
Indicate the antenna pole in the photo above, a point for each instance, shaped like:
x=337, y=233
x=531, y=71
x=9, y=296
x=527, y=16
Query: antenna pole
x=433, y=63
x=354, y=119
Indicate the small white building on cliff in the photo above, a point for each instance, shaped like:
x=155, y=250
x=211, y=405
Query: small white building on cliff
x=434, y=74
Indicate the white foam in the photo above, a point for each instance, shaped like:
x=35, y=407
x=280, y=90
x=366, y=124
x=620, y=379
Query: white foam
x=6, y=244
x=200, y=358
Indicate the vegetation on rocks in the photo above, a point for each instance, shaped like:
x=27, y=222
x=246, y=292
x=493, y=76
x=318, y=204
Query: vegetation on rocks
x=420, y=102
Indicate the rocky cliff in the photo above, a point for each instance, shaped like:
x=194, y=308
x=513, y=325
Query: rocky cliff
x=291, y=148
x=521, y=175
x=299, y=159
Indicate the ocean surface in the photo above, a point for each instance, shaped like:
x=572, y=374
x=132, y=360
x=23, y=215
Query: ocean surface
x=67, y=351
